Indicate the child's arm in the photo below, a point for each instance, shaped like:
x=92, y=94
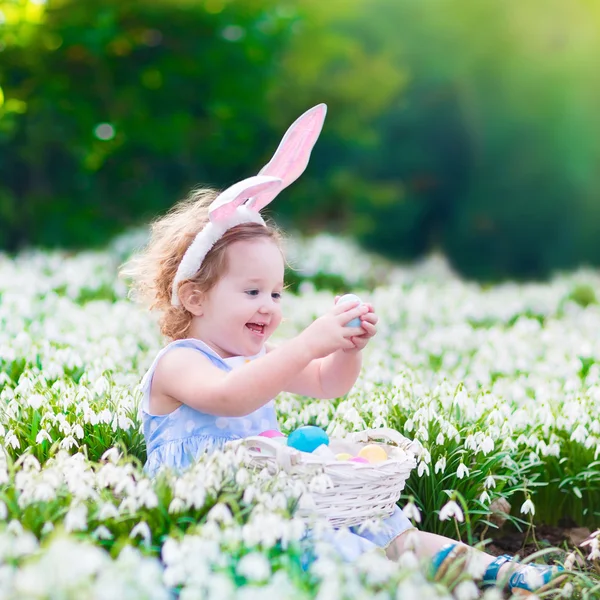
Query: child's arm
x=189, y=378
x=334, y=375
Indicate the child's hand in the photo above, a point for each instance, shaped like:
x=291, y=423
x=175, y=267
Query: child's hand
x=329, y=333
x=368, y=327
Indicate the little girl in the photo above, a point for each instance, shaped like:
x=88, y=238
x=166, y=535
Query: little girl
x=215, y=270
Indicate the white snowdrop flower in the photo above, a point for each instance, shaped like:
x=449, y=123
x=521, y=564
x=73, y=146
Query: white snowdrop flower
x=422, y=468
x=102, y=533
x=177, y=506
x=487, y=445
x=422, y=434
x=108, y=511
x=533, y=577
x=439, y=440
x=242, y=477
x=408, y=560
x=42, y=436
x=451, y=510
x=47, y=528
x=101, y=386
x=78, y=431
x=466, y=590
x=411, y=512
x=3, y=511
x=462, y=471
x=36, y=401
x=570, y=561
x=409, y=425
x=111, y=455
x=125, y=422
x=440, y=465
x=528, y=508
x=68, y=442
x=470, y=443
x=220, y=513
x=254, y=567
x=485, y=498
x=142, y=530
x=76, y=518
x=12, y=440
x=490, y=482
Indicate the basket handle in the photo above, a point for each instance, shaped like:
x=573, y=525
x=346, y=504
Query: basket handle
x=286, y=457
x=389, y=435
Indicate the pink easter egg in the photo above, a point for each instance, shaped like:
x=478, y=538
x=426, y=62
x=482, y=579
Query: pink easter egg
x=359, y=459
x=271, y=433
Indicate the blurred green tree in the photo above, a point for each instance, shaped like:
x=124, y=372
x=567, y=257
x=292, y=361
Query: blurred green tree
x=113, y=109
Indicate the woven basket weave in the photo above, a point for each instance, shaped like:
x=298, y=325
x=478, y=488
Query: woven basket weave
x=358, y=491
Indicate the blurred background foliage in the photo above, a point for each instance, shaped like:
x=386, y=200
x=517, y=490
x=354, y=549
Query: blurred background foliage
x=471, y=128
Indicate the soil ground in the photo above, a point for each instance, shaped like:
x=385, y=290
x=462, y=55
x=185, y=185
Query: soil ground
x=544, y=536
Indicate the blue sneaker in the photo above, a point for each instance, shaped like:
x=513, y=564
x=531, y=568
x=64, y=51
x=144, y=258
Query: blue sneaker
x=448, y=560
x=525, y=579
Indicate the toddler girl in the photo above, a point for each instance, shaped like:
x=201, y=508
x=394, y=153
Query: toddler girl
x=215, y=270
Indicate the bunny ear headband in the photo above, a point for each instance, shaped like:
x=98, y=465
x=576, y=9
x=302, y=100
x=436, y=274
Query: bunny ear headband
x=243, y=201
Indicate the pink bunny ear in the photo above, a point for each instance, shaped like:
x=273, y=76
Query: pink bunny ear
x=291, y=157
x=227, y=201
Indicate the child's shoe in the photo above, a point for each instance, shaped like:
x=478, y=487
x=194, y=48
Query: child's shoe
x=525, y=580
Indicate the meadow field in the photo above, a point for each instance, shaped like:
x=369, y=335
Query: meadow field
x=499, y=384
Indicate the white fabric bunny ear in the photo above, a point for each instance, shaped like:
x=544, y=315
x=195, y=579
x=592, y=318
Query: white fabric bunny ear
x=226, y=211
x=292, y=155
x=242, y=202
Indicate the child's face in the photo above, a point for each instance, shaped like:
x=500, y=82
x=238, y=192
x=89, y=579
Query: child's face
x=243, y=309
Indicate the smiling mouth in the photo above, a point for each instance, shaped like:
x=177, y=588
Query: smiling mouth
x=258, y=328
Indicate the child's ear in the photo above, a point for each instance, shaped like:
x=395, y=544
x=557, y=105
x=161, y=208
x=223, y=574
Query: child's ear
x=191, y=299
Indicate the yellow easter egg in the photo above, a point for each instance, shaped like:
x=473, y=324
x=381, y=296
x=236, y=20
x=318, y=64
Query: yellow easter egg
x=343, y=456
x=373, y=453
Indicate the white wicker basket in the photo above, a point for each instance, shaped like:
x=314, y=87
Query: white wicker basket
x=359, y=491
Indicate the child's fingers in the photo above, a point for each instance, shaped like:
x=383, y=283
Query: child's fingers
x=338, y=309
x=347, y=315
x=348, y=344
x=369, y=328
x=353, y=332
x=370, y=317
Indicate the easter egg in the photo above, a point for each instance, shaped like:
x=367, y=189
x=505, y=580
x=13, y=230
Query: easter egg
x=351, y=298
x=307, y=438
x=271, y=433
x=373, y=453
x=359, y=459
x=343, y=456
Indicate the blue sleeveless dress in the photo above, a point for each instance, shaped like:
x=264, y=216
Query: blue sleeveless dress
x=176, y=440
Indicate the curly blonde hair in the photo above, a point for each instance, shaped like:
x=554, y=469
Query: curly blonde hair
x=152, y=270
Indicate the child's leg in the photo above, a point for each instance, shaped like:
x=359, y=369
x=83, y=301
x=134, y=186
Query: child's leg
x=522, y=579
x=427, y=545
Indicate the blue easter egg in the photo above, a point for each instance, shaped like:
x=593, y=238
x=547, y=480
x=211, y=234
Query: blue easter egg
x=307, y=438
x=351, y=298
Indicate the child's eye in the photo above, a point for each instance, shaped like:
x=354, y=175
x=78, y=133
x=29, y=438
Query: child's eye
x=252, y=292
x=276, y=295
